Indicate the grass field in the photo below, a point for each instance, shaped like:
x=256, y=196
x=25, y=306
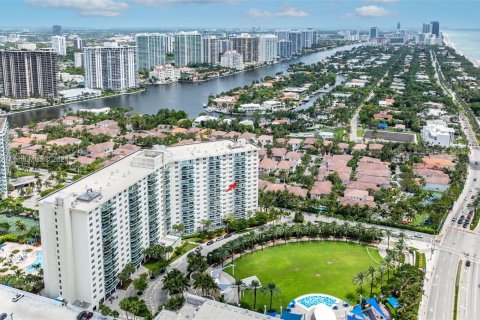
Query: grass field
x=302, y=268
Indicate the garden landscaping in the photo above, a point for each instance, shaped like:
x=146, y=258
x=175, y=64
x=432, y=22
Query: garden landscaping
x=305, y=267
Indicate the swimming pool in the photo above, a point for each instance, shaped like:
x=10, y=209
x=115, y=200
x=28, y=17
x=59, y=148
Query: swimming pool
x=311, y=300
x=38, y=260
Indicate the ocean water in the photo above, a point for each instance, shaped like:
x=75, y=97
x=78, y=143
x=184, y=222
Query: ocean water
x=466, y=41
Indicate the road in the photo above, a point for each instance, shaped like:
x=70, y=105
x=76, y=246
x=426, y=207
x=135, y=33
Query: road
x=453, y=247
x=354, y=120
x=155, y=296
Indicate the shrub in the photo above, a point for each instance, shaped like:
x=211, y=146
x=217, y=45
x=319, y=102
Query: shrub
x=174, y=303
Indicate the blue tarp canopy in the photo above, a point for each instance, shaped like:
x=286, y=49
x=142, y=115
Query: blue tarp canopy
x=376, y=306
x=393, y=302
x=290, y=316
x=357, y=311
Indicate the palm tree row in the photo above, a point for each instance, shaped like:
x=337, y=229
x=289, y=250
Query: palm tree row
x=284, y=232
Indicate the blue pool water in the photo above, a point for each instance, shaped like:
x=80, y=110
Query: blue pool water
x=38, y=259
x=311, y=301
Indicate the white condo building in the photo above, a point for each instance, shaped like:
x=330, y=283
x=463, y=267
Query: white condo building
x=210, y=50
x=267, y=48
x=59, y=45
x=92, y=228
x=4, y=157
x=232, y=59
x=110, y=67
x=151, y=49
x=78, y=59
x=188, y=48
x=437, y=133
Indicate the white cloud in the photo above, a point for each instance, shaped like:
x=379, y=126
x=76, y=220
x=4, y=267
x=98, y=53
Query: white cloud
x=381, y=1
x=285, y=11
x=158, y=3
x=106, y=8
x=372, y=11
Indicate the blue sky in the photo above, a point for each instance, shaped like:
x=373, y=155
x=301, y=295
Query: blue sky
x=323, y=14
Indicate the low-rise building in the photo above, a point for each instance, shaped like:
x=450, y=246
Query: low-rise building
x=437, y=133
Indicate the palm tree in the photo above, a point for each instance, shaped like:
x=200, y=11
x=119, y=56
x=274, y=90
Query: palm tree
x=388, y=233
x=297, y=229
x=178, y=228
x=175, y=282
x=284, y=228
x=239, y=285
x=359, y=279
x=271, y=289
x=381, y=272
x=388, y=263
x=254, y=285
x=371, y=272
x=204, y=282
x=20, y=226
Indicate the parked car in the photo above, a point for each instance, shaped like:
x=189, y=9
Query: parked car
x=418, y=235
x=82, y=315
x=210, y=242
x=219, y=238
x=228, y=235
x=17, y=297
x=465, y=225
x=468, y=263
x=454, y=219
x=199, y=248
x=3, y=316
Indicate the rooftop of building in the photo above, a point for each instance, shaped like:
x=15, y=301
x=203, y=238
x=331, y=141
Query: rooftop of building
x=35, y=307
x=201, y=308
x=116, y=177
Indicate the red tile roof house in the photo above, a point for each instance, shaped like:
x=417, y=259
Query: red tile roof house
x=382, y=116
x=379, y=181
x=71, y=121
x=435, y=180
x=279, y=153
x=280, y=142
x=343, y=146
x=250, y=137
x=362, y=185
x=84, y=160
x=132, y=136
x=321, y=189
x=299, y=192
x=126, y=149
x=351, y=202
x=107, y=124
x=265, y=140
x=217, y=134
x=278, y=187
x=293, y=156
x=232, y=135
x=108, y=131
x=295, y=143
x=309, y=141
x=100, y=148
x=286, y=165
x=64, y=141
x=22, y=142
x=359, y=147
x=267, y=165
x=375, y=146
x=357, y=194
x=262, y=153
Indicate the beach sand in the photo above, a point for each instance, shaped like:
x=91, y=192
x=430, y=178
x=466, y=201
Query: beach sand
x=450, y=44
